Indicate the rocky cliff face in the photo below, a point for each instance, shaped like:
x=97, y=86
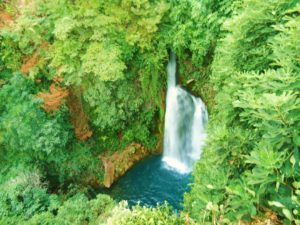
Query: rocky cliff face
x=117, y=164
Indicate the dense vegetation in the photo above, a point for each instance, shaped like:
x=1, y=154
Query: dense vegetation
x=251, y=162
x=83, y=78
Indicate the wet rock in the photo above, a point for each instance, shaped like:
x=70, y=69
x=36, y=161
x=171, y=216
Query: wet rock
x=117, y=164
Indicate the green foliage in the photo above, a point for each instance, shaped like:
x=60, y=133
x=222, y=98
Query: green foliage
x=114, y=104
x=24, y=200
x=251, y=160
x=196, y=26
x=99, y=35
x=24, y=196
x=24, y=38
x=108, y=51
x=80, y=166
x=96, y=47
x=31, y=136
x=27, y=129
x=79, y=210
x=139, y=215
x=93, y=62
x=100, y=48
x=195, y=29
x=247, y=45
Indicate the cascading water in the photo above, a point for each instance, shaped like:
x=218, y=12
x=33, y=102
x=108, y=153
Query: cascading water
x=185, y=119
x=152, y=181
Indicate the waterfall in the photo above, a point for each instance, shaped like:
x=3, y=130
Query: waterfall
x=185, y=120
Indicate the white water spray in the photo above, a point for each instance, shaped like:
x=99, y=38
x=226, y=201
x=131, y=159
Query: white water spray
x=185, y=120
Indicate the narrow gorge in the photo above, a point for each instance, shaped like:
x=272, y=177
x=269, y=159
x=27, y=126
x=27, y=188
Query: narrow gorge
x=157, y=179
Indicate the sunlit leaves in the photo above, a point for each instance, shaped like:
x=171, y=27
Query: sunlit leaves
x=140, y=215
x=64, y=26
x=103, y=62
x=142, y=18
x=266, y=157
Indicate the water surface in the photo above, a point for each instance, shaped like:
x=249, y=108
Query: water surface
x=151, y=182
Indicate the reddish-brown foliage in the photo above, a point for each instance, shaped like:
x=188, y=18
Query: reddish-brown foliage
x=57, y=79
x=5, y=19
x=44, y=45
x=79, y=118
x=269, y=218
x=29, y=63
x=54, y=99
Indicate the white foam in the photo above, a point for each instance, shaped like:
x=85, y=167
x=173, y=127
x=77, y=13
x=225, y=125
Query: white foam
x=185, y=121
x=174, y=164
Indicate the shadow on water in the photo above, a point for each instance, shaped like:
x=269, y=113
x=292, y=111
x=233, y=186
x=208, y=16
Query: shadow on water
x=150, y=182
